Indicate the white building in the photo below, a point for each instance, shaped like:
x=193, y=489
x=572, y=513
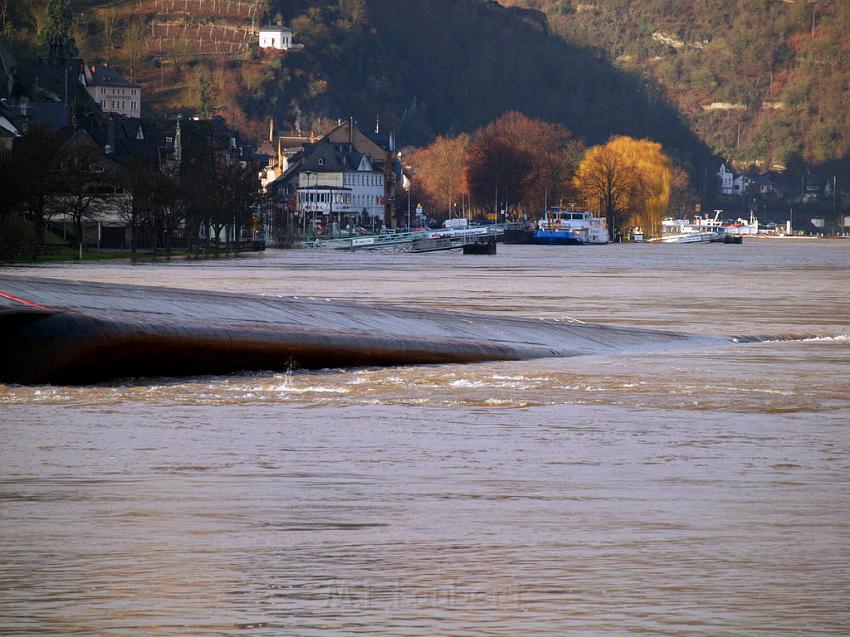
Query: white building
x=275, y=36
x=340, y=183
x=740, y=185
x=112, y=92
x=726, y=178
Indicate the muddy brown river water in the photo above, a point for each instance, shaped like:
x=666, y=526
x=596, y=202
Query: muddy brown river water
x=697, y=492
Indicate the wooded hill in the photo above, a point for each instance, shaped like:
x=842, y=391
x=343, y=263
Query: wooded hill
x=646, y=68
x=762, y=82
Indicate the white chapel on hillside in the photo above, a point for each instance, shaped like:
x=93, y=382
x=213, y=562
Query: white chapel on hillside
x=275, y=36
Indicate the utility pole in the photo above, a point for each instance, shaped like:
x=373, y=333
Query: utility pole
x=838, y=222
x=451, y=195
x=331, y=210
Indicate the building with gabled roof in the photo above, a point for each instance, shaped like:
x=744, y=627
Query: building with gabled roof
x=48, y=90
x=12, y=127
x=337, y=181
x=344, y=178
x=112, y=91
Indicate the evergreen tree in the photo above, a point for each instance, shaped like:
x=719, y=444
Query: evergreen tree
x=58, y=19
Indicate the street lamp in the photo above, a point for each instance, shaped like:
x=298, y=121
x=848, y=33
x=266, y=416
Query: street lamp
x=405, y=183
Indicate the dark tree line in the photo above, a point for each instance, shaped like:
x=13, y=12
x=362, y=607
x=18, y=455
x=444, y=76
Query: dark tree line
x=209, y=200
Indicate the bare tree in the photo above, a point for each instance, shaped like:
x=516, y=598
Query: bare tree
x=26, y=178
x=168, y=210
x=81, y=186
x=136, y=196
x=108, y=21
x=134, y=46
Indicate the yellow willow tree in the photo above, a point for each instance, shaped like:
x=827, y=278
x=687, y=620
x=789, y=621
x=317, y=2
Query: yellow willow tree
x=629, y=181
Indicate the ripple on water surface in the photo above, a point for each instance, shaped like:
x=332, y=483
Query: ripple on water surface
x=693, y=493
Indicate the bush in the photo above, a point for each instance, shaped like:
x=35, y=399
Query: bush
x=17, y=237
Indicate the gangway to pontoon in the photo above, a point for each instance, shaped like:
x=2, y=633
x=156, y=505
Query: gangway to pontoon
x=427, y=240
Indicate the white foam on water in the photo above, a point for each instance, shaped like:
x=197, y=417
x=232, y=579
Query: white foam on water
x=311, y=390
x=467, y=383
x=838, y=338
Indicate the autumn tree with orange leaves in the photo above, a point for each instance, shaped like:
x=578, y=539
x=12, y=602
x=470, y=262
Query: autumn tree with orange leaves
x=628, y=180
x=439, y=171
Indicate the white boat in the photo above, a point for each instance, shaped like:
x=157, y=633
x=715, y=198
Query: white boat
x=741, y=226
x=690, y=237
x=684, y=231
x=705, y=229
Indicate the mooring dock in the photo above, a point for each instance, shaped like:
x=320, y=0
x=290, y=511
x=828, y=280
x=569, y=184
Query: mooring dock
x=54, y=331
x=472, y=240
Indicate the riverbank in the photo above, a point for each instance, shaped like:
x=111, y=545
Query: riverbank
x=70, y=255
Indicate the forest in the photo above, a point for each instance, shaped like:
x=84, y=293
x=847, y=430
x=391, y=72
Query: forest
x=757, y=82
x=762, y=83
x=426, y=68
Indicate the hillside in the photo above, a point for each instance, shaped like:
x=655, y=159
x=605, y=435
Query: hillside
x=424, y=68
x=761, y=82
